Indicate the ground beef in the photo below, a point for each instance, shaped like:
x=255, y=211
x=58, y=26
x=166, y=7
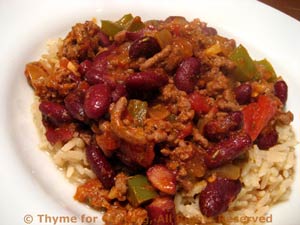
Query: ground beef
x=188, y=160
x=82, y=42
x=218, y=84
x=118, y=215
x=52, y=85
x=93, y=193
x=284, y=118
x=119, y=191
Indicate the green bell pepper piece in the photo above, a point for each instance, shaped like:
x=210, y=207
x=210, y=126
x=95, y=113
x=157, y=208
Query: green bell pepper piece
x=139, y=190
x=138, y=110
x=268, y=70
x=125, y=20
x=110, y=28
x=164, y=37
x=135, y=24
x=245, y=67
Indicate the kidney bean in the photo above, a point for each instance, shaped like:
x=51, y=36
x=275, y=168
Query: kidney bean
x=281, y=90
x=162, y=178
x=162, y=211
x=97, y=100
x=217, y=195
x=185, y=77
x=209, y=31
x=178, y=19
x=74, y=102
x=146, y=81
x=94, y=76
x=218, y=129
x=119, y=92
x=101, y=57
x=103, y=39
x=100, y=166
x=243, y=93
x=84, y=66
x=227, y=150
x=267, y=139
x=144, y=47
x=55, y=112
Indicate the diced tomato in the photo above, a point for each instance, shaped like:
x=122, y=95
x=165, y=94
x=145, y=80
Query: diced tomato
x=188, y=129
x=199, y=103
x=108, y=142
x=60, y=134
x=142, y=155
x=258, y=114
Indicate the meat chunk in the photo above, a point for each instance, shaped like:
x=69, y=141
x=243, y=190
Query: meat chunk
x=50, y=84
x=117, y=215
x=93, y=193
x=82, y=42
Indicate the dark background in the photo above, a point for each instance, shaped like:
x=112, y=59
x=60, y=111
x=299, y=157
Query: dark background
x=290, y=7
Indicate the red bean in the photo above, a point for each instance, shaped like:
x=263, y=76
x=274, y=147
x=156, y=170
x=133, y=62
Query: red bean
x=98, y=73
x=101, y=59
x=209, y=31
x=243, y=93
x=100, y=166
x=146, y=81
x=74, y=102
x=97, y=100
x=94, y=76
x=227, y=150
x=267, y=139
x=55, y=112
x=218, y=129
x=119, y=92
x=162, y=178
x=144, y=47
x=162, y=211
x=217, y=195
x=185, y=77
x=84, y=66
x=281, y=90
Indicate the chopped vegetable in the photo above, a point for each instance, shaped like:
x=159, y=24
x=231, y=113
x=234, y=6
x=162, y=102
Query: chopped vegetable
x=266, y=70
x=139, y=190
x=136, y=24
x=199, y=103
x=214, y=49
x=245, y=67
x=164, y=38
x=158, y=112
x=110, y=28
x=127, y=22
x=258, y=114
x=138, y=110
